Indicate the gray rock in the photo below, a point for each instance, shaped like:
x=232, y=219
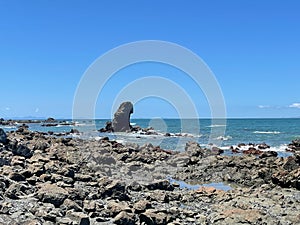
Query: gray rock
x=124, y=218
x=51, y=193
x=3, y=137
x=22, y=150
x=121, y=121
x=152, y=217
x=141, y=206
x=160, y=185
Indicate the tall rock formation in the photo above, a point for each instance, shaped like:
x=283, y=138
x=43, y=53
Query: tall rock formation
x=121, y=121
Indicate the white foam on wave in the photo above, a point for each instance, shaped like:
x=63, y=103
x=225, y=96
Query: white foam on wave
x=224, y=138
x=216, y=125
x=266, y=132
x=281, y=148
x=8, y=127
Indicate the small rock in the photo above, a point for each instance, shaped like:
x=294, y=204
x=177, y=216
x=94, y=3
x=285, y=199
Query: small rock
x=152, y=217
x=160, y=185
x=141, y=206
x=124, y=218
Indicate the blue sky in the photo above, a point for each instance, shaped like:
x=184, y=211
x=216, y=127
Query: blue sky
x=253, y=48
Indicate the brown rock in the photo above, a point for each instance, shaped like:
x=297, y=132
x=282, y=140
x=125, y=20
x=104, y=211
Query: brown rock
x=51, y=193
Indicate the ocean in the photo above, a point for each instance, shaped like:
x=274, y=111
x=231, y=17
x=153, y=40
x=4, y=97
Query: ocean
x=275, y=132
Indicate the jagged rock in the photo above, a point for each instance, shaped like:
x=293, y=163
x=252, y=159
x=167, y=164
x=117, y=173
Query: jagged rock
x=115, y=189
x=121, y=121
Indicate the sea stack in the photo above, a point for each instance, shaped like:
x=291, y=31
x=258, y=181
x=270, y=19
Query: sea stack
x=121, y=121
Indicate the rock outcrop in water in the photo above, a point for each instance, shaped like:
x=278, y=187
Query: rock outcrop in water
x=121, y=121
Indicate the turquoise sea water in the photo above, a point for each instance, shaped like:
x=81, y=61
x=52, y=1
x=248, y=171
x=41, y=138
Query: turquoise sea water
x=275, y=132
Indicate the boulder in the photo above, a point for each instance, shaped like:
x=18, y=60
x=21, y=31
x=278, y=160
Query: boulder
x=3, y=137
x=22, y=150
x=51, y=193
x=125, y=218
x=121, y=121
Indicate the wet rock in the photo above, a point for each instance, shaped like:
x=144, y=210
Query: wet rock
x=217, y=151
x=74, y=131
x=121, y=121
x=268, y=154
x=263, y=146
x=252, y=151
x=108, y=127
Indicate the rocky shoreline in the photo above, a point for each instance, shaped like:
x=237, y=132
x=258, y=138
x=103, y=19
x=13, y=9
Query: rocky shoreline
x=47, y=179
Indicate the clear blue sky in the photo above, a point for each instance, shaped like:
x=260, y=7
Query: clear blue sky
x=253, y=48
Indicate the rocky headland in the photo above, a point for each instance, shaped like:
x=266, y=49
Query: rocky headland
x=48, y=179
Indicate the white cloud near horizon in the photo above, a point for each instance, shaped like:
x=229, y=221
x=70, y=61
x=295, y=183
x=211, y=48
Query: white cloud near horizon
x=264, y=106
x=295, y=105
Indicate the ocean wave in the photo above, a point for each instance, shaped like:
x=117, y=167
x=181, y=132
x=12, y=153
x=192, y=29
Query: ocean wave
x=216, y=125
x=8, y=127
x=266, y=132
x=280, y=148
x=224, y=138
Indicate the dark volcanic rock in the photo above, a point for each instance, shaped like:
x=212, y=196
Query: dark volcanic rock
x=160, y=185
x=3, y=137
x=108, y=127
x=22, y=150
x=268, y=154
x=50, y=120
x=121, y=121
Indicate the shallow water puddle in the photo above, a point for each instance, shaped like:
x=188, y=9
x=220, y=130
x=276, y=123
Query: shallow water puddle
x=218, y=186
